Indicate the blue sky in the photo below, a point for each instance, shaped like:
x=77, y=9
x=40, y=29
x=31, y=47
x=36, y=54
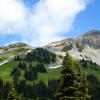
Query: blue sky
x=39, y=22
x=9, y=39
x=87, y=20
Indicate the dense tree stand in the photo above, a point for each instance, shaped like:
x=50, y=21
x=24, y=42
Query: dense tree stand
x=73, y=84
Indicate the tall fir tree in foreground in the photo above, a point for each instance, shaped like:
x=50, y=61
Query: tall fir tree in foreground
x=73, y=84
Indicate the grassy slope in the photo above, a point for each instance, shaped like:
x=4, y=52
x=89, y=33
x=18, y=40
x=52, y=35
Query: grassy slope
x=51, y=73
x=14, y=52
x=6, y=69
x=89, y=70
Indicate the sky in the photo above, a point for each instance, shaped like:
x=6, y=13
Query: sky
x=39, y=22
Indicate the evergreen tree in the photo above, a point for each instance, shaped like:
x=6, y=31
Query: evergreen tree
x=41, y=55
x=31, y=74
x=15, y=72
x=20, y=65
x=24, y=66
x=41, y=68
x=12, y=94
x=30, y=66
x=6, y=90
x=42, y=91
x=94, y=87
x=21, y=86
x=1, y=88
x=82, y=85
x=72, y=86
x=1, y=84
x=52, y=88
x=17, y=58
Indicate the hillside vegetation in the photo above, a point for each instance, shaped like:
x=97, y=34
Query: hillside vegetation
x=31, y=77
x=12, y=50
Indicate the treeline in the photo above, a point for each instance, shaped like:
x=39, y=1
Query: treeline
x=38, y=91
x=94, y=87
x=25, y=91
x=89, y=63
x=40, y=55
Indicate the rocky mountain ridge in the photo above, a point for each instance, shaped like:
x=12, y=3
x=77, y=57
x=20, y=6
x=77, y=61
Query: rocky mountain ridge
x=86, y=46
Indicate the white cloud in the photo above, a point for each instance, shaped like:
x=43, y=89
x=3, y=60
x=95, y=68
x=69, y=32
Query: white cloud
x=45, y=22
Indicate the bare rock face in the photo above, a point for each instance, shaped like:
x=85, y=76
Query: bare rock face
x=91, y=38
x=87, y=46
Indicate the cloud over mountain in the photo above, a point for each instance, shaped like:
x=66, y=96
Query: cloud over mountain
x=45, y=21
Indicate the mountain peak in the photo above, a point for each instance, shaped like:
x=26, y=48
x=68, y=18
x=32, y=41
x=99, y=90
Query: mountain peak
x=93, y=33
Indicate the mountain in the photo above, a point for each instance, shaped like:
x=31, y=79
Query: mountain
x=36, y=74
x=91, y=38
x=13, y=50
x=86, y=46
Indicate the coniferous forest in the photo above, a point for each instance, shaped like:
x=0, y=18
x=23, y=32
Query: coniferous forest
x=73, y=83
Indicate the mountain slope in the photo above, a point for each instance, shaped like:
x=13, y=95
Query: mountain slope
x=86, y=46
x=13, y=49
